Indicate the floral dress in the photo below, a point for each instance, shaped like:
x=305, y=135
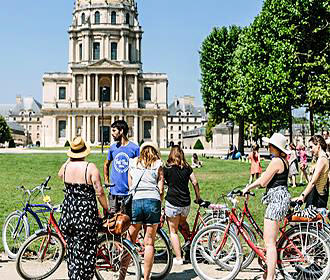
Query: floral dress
x=79, y=222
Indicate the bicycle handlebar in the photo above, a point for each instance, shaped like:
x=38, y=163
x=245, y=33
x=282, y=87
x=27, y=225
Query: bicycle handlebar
x=239, y=193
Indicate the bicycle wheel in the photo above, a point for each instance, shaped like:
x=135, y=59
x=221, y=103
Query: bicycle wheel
x=163, y=258
x=208, y=261
x=314, y=247
x=40, y=255
x=15, y=231
x=248, y=253
x=117, y=258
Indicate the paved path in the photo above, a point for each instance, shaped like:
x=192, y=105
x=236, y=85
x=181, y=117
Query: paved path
x=182, y=272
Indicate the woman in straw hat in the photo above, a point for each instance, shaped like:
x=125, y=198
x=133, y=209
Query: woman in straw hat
x=79, y=219
x=146, y=179
x=277, y=198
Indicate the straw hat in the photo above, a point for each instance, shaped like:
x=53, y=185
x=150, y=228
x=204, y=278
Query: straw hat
x=278, y=140
x=150, y=144
x=79, y=149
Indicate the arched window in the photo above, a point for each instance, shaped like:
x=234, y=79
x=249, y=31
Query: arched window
x=127, y=18
x=97, y=17
x=83, y=19
x=113, y=51
x=113, y=18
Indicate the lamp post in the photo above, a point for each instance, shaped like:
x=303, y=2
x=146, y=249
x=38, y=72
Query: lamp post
x=104, y=89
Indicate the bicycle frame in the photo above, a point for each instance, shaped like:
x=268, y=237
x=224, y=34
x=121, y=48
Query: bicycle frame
x=233, y=219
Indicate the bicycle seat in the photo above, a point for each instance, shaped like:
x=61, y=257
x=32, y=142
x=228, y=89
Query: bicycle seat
x=203, y=203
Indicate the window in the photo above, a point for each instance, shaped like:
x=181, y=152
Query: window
x=80, y=52
x=127, y=19
x=147, y=93
x=14, y=119
x=147, y=130
x=179, y=136
x=38, y=119
x=179, y=127
x=83, y=19
x=96, y=51
x=37, y=127
x=195, y=119
x=61, y=129
x=38, y=135
x=113, y=18
x=187, y=128
x=30, y=127
x=105, y=94
x=97, y=17
x=171, y=136
x=195, y=126
x=187, y=119
x=61, y=93
x=30, y=119
x=171, y=127
x=113, y=51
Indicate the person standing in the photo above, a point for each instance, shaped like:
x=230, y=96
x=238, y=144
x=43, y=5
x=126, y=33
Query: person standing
x=79, y=217
x=119, y=155
x=317, y=191
x=254, y=158
x=293, y=165
x=277, y=197
x=146, y=177
x=303, y=163
x=177, y=174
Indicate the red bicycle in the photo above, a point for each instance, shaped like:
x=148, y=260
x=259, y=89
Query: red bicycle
x=43, y=252
x=303, y=250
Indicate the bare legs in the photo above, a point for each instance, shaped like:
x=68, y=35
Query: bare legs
x=252, y=177
x=271, y=229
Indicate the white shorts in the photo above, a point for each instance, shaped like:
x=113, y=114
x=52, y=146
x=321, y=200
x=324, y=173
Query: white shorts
x=173, y=211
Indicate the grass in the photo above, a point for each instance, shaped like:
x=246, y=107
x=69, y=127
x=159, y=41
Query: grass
x=216, y=177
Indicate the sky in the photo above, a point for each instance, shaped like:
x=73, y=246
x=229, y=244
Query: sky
x=34, y=40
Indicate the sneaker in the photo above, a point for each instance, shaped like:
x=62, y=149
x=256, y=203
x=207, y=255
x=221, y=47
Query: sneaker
x=177, y=262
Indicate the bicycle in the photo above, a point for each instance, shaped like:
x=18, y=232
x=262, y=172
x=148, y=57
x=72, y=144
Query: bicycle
x=216, y=253
x=43, y=252
x=17, y=226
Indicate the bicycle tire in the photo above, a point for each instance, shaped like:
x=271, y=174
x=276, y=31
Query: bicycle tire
x=110, y=250
x=248, y=253
x=12, y=242
x=31, y=265
x=202, y=258
x=310, y=241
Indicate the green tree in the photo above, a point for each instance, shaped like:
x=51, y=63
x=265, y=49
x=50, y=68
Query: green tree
x=198, y=145
x=5, y=134
x=216, y=60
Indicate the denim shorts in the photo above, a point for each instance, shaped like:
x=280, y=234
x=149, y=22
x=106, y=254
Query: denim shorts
x=173, y=211
x=146, y=211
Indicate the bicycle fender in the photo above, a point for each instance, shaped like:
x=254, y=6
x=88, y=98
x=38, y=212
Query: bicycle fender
x=130, y=245
x=164, y=234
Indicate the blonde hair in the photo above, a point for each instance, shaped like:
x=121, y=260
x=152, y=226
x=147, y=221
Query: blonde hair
x=148, y=156
x=176, y=157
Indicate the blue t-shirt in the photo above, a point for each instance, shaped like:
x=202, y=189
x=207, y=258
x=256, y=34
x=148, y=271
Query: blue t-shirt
x=120, y=155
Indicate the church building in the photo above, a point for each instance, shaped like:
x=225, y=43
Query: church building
x=105, y=81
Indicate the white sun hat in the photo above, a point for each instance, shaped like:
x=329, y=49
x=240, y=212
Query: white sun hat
x=278, y=140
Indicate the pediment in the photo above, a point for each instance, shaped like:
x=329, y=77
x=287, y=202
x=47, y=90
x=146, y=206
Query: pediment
x=105, y=63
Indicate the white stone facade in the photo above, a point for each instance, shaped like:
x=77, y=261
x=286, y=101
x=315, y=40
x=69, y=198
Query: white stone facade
x=105, y=68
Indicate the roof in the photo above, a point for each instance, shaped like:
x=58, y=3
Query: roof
x=5, y=109
x=193, y=110
x=27, y=104
x=14, y=126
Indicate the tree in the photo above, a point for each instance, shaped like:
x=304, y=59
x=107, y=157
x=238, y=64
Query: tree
x=216, y=59
x=198, y=145
x=5, y=134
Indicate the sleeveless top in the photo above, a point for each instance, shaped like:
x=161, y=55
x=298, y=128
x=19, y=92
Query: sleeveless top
x=79, y=210
x=321, y=183
x=279, y=179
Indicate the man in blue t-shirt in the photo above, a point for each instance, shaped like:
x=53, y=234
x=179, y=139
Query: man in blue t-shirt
x=119, y=155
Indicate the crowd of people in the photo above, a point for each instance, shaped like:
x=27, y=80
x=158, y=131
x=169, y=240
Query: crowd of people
x=141, y=169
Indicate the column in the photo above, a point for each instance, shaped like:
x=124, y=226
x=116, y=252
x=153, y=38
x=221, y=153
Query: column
x=88, y=87
x=89, y=129
x=106, y=47
x=97, y=91
x=113, y=88
x=55, y=130
x=141, y=128
x=122, y=48
x=85, y=88
x=73, y=89
x=68, y=130
x=71, y=46
x=86, y=47
x=155, y=129
x=83, y=129
x=120, y=97
x=96, y=130
x=136, y=86
x=136, y=129
x=73, y=126
x=125, y=91
x=126, y=48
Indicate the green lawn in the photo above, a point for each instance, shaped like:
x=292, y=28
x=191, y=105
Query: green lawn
x=215, y=178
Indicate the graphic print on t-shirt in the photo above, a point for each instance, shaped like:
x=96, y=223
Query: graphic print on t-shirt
x=121, y=162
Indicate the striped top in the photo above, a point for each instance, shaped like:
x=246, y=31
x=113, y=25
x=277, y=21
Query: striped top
x=321, y=182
